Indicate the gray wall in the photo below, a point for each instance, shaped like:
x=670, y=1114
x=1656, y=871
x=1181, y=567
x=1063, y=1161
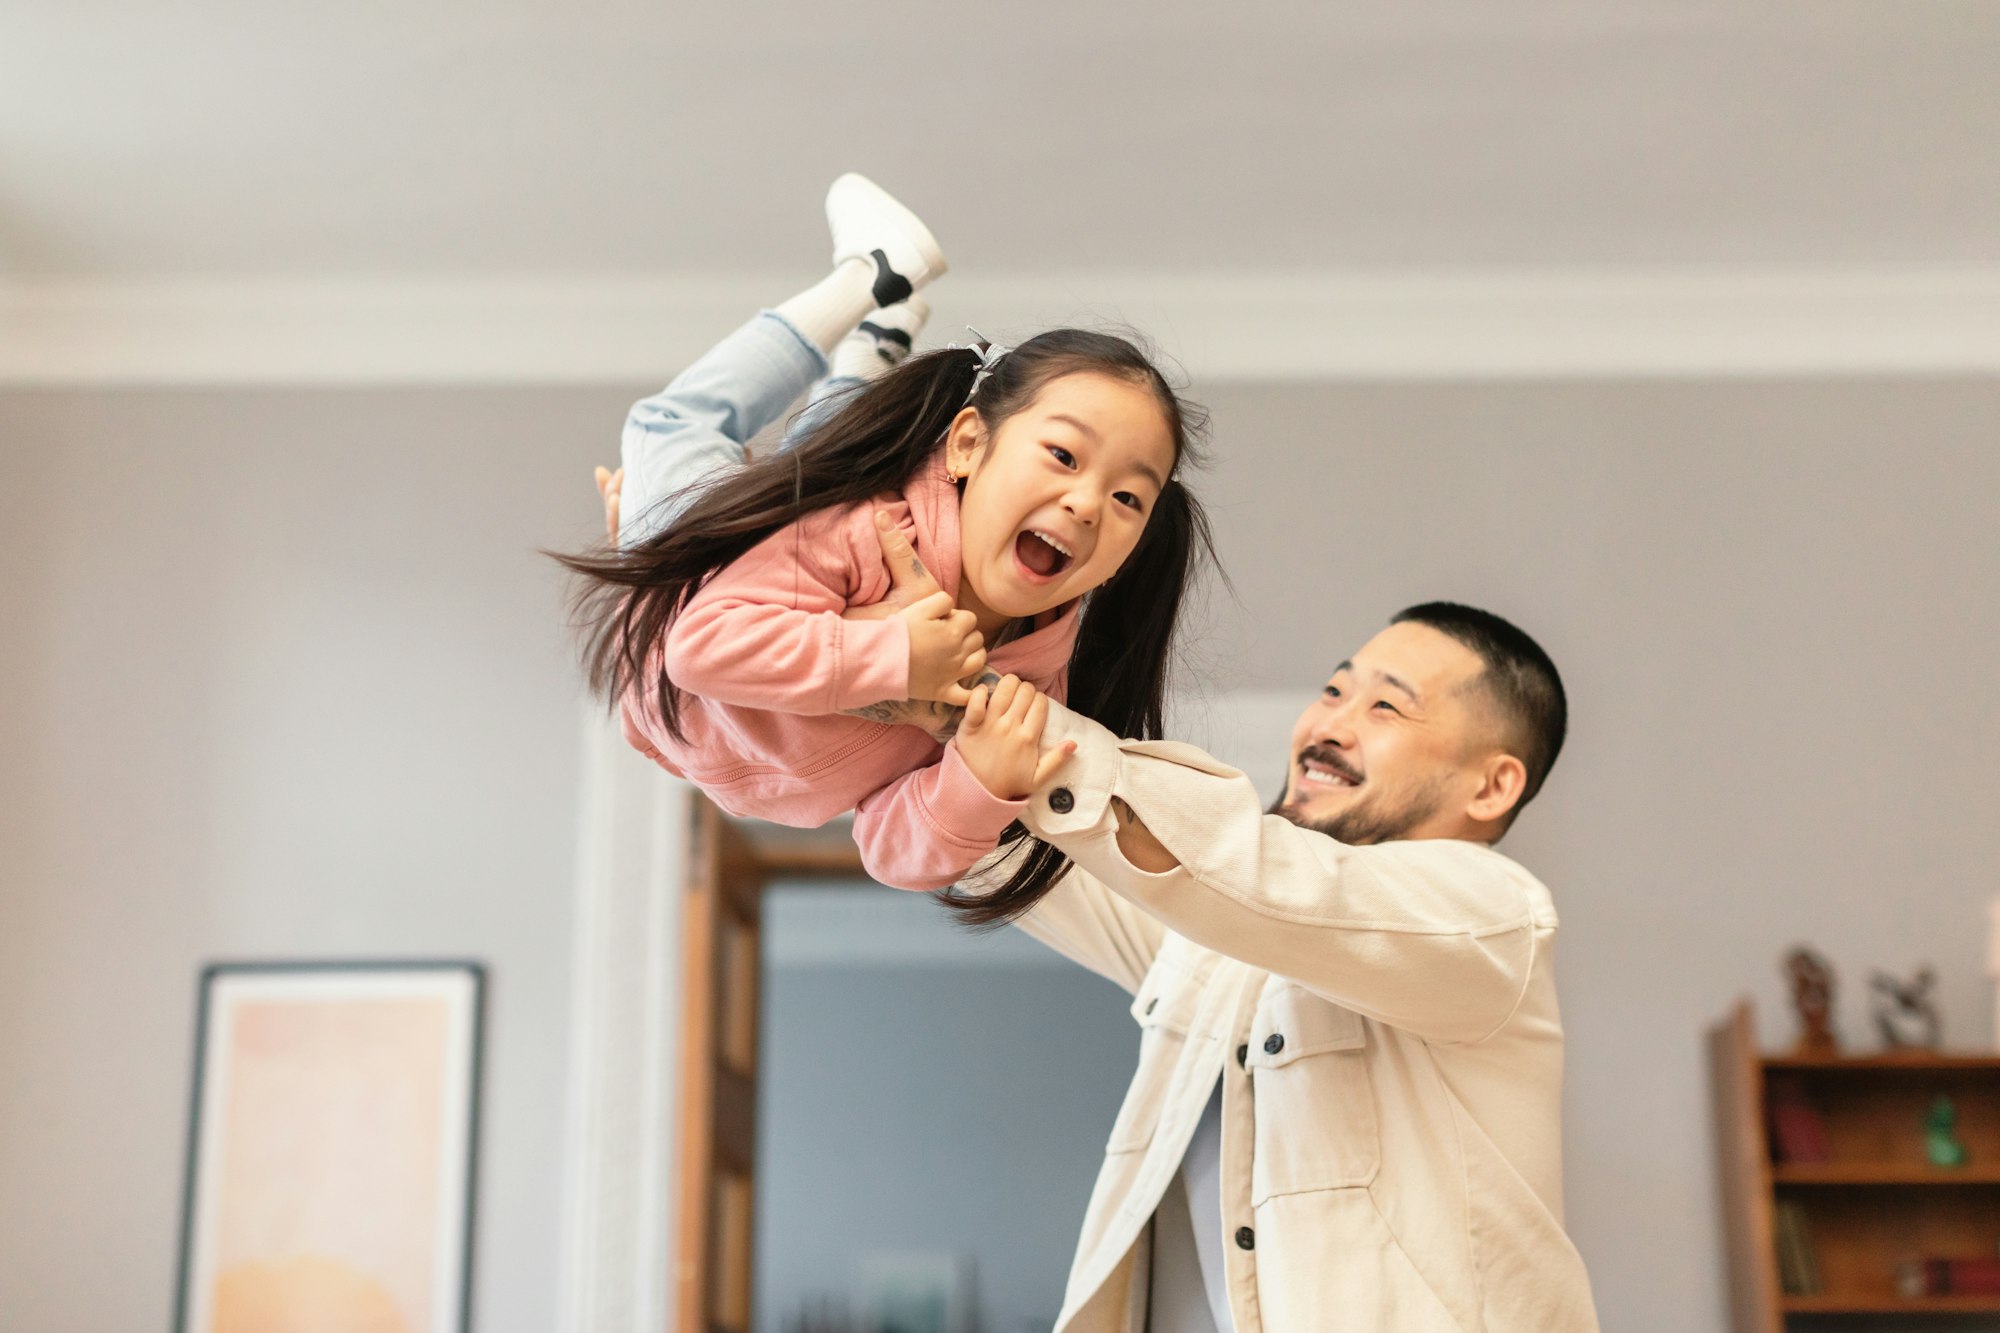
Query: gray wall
x=280, y=675
x=952, y=1105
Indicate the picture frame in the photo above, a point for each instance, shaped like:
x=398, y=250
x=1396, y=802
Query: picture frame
x=332, y=1147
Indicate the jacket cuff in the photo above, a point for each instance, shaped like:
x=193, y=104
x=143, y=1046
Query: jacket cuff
x=874, y=658
x=1078, y=797
x=963, y=809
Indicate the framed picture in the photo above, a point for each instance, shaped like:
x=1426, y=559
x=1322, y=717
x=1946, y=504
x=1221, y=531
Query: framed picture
x=331, y=1148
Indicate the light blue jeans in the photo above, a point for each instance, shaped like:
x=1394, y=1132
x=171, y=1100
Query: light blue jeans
x=698, y=425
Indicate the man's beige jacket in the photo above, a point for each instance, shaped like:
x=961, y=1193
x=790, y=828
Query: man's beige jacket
x=1384, y=1023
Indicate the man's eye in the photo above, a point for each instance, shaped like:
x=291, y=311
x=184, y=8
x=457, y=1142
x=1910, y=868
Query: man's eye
x=1063, y=456
x=1384, y=703
x=1332, y=691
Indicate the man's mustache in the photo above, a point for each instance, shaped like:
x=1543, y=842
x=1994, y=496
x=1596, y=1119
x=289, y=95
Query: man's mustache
x=1327, y=757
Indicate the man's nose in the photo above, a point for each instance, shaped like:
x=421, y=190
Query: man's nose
x=1334, y=726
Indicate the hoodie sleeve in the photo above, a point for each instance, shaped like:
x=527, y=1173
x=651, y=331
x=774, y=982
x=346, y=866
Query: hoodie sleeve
x=766, y=632
x=928, y=828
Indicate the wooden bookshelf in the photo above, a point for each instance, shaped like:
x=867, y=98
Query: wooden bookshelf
x=1875, y=1203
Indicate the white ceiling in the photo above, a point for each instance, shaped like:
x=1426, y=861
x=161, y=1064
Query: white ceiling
x=452, y=139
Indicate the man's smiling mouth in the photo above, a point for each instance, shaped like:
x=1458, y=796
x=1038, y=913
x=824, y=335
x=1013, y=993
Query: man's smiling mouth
x=1327, y=771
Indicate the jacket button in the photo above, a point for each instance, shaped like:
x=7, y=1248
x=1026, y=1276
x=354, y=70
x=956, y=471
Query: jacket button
x=1152, y=1004
x=1246, y=1239
x=1242, y=1056
x=1273, y=1044
x=1061, y=801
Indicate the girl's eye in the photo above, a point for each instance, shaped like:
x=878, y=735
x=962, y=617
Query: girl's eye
x=1063, y=456
x=1130, y=501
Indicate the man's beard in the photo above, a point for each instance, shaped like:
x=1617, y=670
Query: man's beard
x=1370, y=819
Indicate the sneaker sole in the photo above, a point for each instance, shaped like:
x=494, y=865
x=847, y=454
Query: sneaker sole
x=854, y=193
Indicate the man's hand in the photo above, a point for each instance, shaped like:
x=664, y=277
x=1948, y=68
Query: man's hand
x=909, y=581
x=609, y=484
x=1138, y=845
x=1001, y=739
x=909, y=584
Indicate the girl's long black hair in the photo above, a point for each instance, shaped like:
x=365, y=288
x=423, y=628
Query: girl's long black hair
x=879, y=440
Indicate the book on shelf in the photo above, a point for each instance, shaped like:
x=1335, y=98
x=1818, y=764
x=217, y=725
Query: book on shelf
x=1962, y=1277
x=1798, y=1266
x=1797, y=1132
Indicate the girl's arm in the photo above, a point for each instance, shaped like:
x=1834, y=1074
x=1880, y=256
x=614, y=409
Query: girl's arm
x=928, y=829
x=767, y=632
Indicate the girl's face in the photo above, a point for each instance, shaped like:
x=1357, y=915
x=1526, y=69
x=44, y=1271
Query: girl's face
x=1058, y=494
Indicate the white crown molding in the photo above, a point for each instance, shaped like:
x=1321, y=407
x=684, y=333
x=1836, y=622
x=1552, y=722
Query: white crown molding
x=1257, y=327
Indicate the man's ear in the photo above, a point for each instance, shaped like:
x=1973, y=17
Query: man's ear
x=1500, y=788
x=964, y=438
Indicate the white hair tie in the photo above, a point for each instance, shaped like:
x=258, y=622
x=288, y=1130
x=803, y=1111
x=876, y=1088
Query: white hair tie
x=989, y=354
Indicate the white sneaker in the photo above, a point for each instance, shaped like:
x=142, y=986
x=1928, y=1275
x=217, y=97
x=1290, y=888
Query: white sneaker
x=883, y=340
x=899, y=323
x=868, y=224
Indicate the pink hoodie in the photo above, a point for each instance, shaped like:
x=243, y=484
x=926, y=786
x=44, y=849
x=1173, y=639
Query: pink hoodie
x=767, y=663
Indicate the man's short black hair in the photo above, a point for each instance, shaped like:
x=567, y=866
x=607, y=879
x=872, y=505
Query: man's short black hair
x=1519, y=676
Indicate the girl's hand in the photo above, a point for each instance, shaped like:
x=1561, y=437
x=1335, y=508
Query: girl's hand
x=609, y=484
x=1000, y=739
x=944, y=649
x=909, y=583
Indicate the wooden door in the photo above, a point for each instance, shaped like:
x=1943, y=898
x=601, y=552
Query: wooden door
x=718, y=1070
x=721, y=978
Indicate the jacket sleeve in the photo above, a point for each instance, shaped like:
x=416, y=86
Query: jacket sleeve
x=1435, y=937
x=929, y=827
x=766, y=631
x=1089, y=924
x=1081, y=920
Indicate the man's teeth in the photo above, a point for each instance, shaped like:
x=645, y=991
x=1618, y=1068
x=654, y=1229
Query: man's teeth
x=1037, y=532
x=1321, y=773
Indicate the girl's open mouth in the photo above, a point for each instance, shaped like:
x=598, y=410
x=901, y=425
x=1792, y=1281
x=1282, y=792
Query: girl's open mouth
x=1042, y=556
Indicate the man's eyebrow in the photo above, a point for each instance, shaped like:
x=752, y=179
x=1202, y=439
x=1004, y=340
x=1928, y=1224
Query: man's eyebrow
x=1402, y=685
x=1395, y=680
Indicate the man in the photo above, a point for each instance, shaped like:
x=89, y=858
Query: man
x=1346, y=1113
x=1347, y=1110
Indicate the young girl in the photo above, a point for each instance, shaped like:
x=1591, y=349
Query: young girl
x=1037, y=485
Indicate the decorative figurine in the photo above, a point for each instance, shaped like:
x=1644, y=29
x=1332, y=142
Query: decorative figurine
x=1905, y=1012
x=1812, y=996
x=1941, y=1143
